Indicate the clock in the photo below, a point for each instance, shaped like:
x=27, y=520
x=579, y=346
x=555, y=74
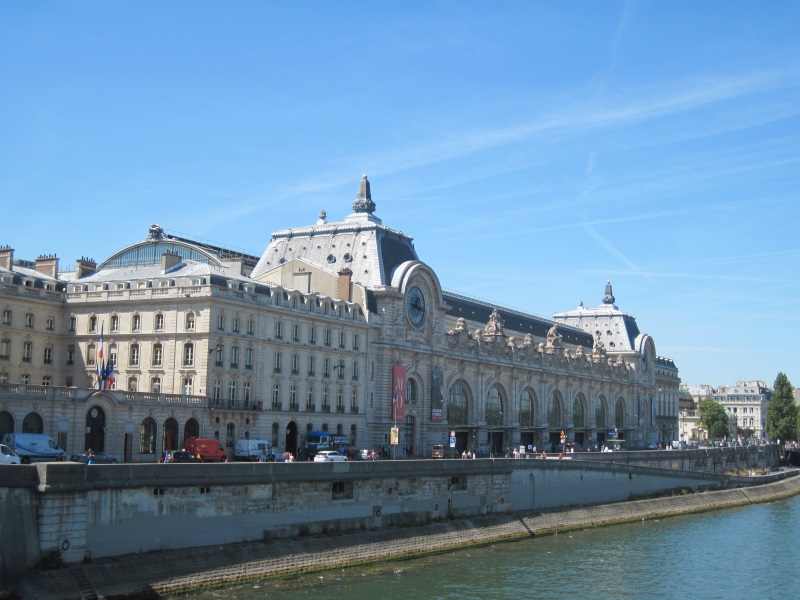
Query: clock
x=644, y=362
x=415, y=306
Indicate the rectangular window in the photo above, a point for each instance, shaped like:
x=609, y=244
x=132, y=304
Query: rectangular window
x=5, y=349
x=70, y=354
x=311, y=365
x=158, y=355
x=114, y=323
x=48, y=356
x=29, y=320
x=327, y=337
x=7, y=317
x=251, y=327
x=188, y=383
x=277, y=362
x=248, y=358
x=93, y=324
x=218, y=356
x=27, y=351
x=188, y=355
x=246, y=392
x=355, y=342
x=234, y=357
x=216, y=393
x=295, y=333
x=295, y=364
x=231, y=392
x=25, y=379
x=355, y=371
x=155, y=385
x=136, y=323
x=159, y=324
x=341, y=339
x=278, y=330
x=312, y=335
x=134, y=362
x=73, y=323
x=190, y=322
x=50, y=324
x=221, y=322
x=235, y=324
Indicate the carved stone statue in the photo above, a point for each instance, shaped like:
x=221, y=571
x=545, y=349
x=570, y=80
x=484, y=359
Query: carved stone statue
x=553, y=338
x=495, y=325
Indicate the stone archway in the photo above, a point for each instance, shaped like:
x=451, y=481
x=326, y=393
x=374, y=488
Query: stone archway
x=95, y=437
x=291, y=438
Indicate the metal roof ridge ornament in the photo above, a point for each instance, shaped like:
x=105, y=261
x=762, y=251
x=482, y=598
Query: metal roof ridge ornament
x=363, y=202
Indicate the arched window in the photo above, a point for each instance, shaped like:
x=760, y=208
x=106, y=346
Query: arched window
x=619, y=415
x=578, y=417
x=147, y=436
x=600, y=413
x=494, y=407
x=6, y=423
x=169, y=439
x=554, y=411
x=276, y=427
x=411, y=392
x=32, y=423
x=191, y=429
x=457, y=408
x=526, y=409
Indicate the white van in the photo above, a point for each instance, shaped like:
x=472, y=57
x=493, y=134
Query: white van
x=31, y=447
x=252, y=450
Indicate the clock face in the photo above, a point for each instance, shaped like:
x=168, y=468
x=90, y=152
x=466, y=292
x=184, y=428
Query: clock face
x=415, y=306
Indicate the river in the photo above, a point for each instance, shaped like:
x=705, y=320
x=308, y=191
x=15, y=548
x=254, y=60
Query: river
x=747, y=552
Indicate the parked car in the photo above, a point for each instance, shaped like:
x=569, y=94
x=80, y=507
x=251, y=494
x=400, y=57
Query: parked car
x=329, y=456
x=652, y=446
x=100, y=458
x=183, y=456
x=7, y=456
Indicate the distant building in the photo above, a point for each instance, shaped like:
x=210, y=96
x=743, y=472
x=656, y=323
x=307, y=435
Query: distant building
x=747, y=402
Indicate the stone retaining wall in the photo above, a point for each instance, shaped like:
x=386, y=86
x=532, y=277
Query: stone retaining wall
x=147, y=576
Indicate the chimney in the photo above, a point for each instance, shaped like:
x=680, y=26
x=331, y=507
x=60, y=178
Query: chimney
x=6, y=257
x=48, y=265
x=169, y=260
x=343, y=289
x=84, y=266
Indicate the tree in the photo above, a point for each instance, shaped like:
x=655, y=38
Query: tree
x=783, y=415
x=713, y=418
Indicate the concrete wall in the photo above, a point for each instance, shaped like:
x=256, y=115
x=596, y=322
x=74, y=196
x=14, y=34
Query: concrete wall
x=111, y=510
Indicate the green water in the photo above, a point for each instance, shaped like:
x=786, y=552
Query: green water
x=750, y=552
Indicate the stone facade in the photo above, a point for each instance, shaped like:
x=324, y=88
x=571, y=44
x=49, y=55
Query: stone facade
x=209, y=342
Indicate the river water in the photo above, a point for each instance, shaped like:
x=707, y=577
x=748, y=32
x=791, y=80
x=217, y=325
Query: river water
x=746, y=552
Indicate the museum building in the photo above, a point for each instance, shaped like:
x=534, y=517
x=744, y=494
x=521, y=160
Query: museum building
x=338, y=326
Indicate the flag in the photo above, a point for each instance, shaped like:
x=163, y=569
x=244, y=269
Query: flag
x=109, y=374
x=100, y=367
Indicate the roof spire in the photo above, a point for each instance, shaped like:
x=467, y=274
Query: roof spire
x=363, y=202
x=609, y=297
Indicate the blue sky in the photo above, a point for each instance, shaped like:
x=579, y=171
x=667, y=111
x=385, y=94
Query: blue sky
x=534, y=150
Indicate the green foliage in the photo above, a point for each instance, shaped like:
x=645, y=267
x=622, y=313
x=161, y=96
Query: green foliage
x=713, y=418
x=783, y=415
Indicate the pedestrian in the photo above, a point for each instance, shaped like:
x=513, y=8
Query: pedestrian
x=90, y=457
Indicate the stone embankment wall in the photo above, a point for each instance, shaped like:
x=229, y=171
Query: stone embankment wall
x=155, y=574
x=99, y=511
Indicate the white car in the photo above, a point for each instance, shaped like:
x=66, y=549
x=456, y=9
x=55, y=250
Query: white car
x=329, y=456
x=7, y=456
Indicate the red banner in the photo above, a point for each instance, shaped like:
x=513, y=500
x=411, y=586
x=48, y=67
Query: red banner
x=398, y=393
